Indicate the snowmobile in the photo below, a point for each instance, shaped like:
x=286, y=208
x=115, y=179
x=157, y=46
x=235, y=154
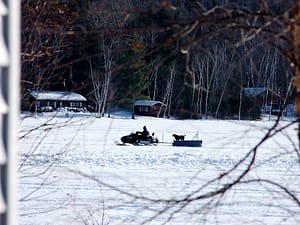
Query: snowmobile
x=137, y=138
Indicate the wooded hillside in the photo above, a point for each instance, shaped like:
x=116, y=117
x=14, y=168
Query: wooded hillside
x=196, y=56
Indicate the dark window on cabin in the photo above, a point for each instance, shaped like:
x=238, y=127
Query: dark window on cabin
x=144, y=109
x=76, y=104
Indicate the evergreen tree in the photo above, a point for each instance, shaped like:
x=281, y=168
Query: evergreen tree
x=132, y=80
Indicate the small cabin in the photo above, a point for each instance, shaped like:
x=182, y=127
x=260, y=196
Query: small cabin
x=48, y=101
x=149, y=108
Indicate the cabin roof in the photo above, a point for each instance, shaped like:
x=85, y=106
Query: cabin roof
x=147, y=103
x=57, y=95
x=254, y=91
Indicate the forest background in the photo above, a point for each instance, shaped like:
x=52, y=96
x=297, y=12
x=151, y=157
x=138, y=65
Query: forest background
x=194, y=56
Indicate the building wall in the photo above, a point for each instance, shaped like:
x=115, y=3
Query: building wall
x=44, y=105
x=149, y=110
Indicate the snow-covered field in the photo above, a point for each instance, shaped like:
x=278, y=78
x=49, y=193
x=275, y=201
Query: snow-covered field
x=73, y=172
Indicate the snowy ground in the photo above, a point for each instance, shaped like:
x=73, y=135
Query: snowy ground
x=72, y=172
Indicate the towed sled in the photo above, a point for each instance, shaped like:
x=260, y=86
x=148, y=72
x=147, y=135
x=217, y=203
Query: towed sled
x=179, y=140
x=138, y=139
x=187, y=143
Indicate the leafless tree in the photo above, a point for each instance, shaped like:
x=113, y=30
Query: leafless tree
x=101, y=81
x=167, y=99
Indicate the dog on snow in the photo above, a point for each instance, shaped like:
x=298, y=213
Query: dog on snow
x=178, y=137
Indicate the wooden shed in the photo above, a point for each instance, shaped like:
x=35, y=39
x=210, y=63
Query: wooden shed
x=47, y=101
x=149, y=108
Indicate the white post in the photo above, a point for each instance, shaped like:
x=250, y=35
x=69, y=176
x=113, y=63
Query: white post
x=4, y=63
x=14, y=43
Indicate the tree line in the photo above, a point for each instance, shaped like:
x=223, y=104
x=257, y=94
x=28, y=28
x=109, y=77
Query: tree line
x=194, y=56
